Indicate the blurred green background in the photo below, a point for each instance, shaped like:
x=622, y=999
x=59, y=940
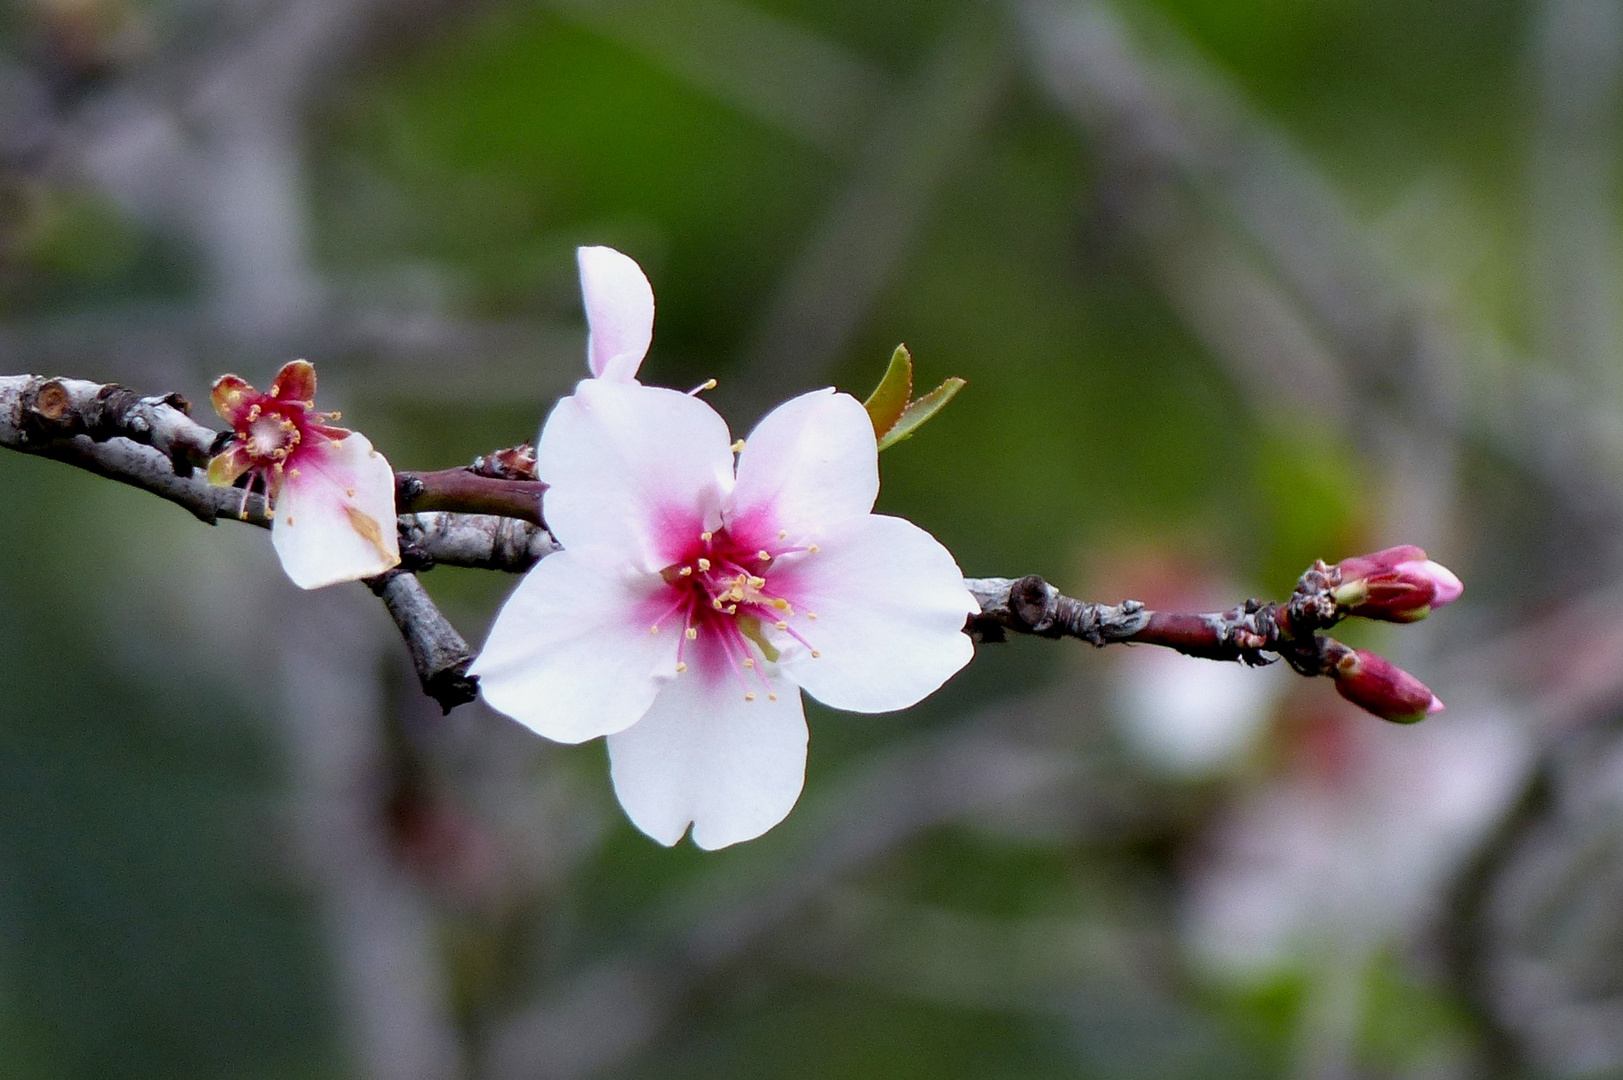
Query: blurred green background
x=1236, y=284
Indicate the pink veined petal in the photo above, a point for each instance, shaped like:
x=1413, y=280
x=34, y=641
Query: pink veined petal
x=295, y=382
x=619, y=312
x=635, y=471
x=809, y=466
x=335, y=518
x=570, y=655
x=890, y=605
x=704, y=755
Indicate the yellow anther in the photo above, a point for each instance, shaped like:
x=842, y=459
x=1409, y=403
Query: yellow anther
x=716, y=603
x=704, y=564
x=654, y=629
x=813, y=548
x=732, y=609
x=749, y=696
x=347, y=491
x=686, y=571
x=764, y=555
x=811, y=615
x=749, y=662
x=692, y=633
x=738, y=447
x=681, y=666
x=783, y=534
x=757, y=582
x=294, y=474
x=772, y=697
x=815, y=654
x=781, y=625
x=706, y=537
x=783, y=605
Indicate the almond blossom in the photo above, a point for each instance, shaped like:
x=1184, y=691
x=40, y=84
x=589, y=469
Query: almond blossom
x=332, y=494
x=693, y=600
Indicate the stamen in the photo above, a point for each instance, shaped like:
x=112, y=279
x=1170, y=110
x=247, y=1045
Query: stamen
x=812, y=615
x=813, y=549
x=772, y=697
x=756, y=582
x=347, y=491
x=749, y=695
x=708, y=384
x=688, y=634
x=764, y=555
x=781, y=625
x=783, y=534
x=704, y=564
x=692, y=633
x=738, y=447
x=706, y=536
x=654, y=629
x=749, y=661
x=816, y=654
x=293, y=474
x=686, y=571
x=715, y=602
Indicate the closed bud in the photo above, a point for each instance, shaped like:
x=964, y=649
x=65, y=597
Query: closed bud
x=1396, y=585
x=1380, y=687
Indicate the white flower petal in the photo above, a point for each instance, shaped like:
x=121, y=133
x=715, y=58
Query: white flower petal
x=335, y=518
x=619, y=312
x=890, y=605
x=633, y=471
x=570, y=655
x=703, y=754
x=810, y=465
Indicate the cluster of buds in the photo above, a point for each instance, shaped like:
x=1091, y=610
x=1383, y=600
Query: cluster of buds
x=1397, y=585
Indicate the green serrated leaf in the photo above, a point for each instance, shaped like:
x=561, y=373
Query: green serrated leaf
x=888, y=401
x=914, y=416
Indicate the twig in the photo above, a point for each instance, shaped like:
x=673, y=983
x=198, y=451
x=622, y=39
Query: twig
x=438, y=652
x=465, y=491
x=1289, y=630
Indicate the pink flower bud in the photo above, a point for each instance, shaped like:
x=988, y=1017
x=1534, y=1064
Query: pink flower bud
x=1378, y=686
x=1396, y=585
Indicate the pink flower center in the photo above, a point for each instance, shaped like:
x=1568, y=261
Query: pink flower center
x=722, y=597
x=270, y=436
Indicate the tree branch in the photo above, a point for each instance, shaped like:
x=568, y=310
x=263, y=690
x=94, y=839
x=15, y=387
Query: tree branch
x=488, y=516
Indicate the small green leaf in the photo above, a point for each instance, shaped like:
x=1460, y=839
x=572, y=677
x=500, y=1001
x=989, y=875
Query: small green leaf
x=888, y=401
x=914, y=416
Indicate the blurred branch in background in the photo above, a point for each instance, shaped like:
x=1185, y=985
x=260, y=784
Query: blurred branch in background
x=1576, y=63
x=1175, y=118
x=866, y=233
